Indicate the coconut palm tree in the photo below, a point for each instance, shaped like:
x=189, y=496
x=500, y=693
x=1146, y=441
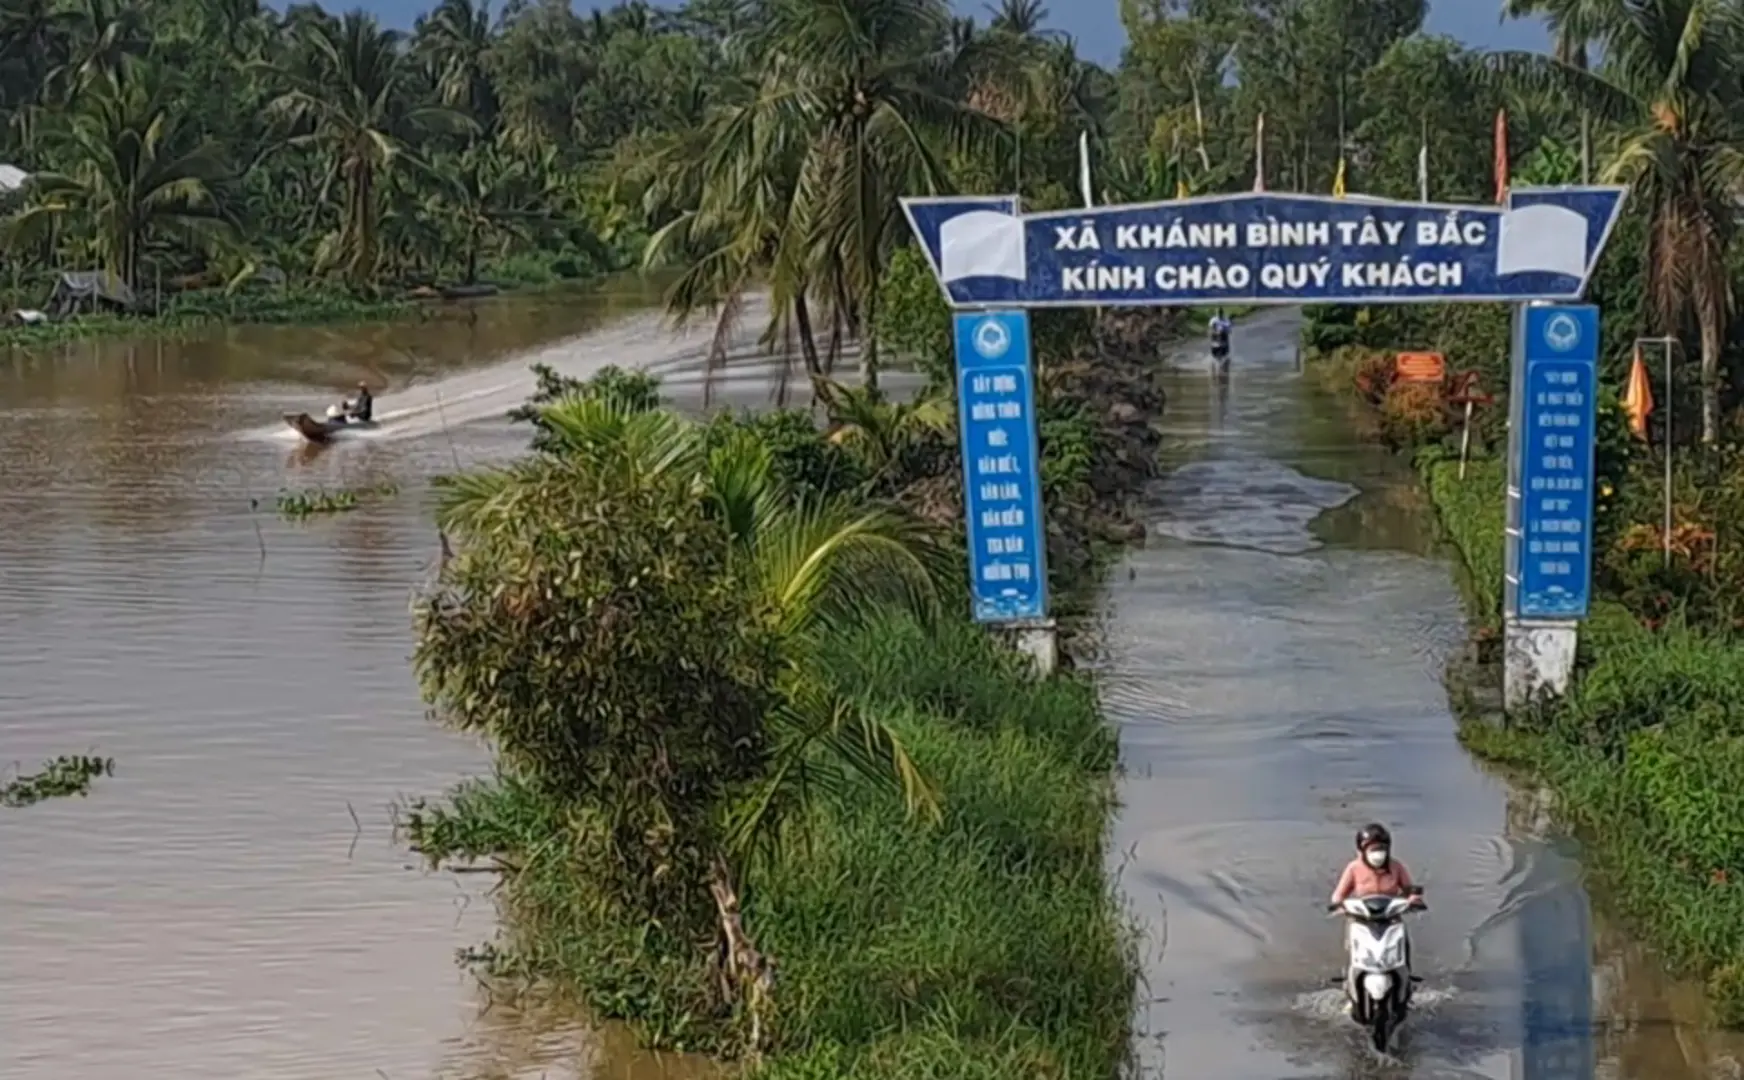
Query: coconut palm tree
x=348, y=96
x=840, y=120
x=1574, y=24
x=455, y=39
x=743, y=226
x=134, y=170
x=1023, y=18
x=1673, y=82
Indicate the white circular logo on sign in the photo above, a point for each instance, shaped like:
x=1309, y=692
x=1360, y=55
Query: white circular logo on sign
x=992, y=339
x=1562, y=332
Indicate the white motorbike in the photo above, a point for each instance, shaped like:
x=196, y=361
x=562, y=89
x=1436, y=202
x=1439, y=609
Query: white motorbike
x=1377, y=979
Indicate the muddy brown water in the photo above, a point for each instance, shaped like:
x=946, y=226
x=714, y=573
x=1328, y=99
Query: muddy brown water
x=231, y=903
x=1275, y=659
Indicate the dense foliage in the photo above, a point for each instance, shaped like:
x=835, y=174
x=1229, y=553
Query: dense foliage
x=731, y=699
x=203, y=142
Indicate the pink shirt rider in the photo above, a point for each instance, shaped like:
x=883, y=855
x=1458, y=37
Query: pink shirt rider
x=1361, y=879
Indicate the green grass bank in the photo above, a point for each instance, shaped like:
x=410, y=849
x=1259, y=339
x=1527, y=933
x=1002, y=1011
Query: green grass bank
x=969, y=930
x=1646, y=753
x=199, y=311
x=192, y=313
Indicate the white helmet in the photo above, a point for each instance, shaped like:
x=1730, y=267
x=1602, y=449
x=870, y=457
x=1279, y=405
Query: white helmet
x=334, y=412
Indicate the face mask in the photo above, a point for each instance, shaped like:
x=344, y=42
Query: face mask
x=1376, y=857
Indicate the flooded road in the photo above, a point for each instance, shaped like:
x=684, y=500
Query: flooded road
x=1275, y=661
x=231, y=903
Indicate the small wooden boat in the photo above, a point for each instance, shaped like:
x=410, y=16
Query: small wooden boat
x=322, y=432
x=468, y=292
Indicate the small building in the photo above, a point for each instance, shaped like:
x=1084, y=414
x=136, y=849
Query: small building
x=89, y=291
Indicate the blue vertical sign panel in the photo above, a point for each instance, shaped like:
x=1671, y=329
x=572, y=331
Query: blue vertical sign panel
x=1001, y=467
x=1560, y=416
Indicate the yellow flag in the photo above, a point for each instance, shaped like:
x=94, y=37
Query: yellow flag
x=1338, y=181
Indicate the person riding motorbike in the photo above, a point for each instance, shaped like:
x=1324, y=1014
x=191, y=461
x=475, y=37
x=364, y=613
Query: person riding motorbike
x=1374, y=872
x=362, y=407
x=1220, y=328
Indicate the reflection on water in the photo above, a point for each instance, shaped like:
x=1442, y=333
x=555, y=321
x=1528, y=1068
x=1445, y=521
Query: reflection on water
x=231, y=903
x=1275, y=660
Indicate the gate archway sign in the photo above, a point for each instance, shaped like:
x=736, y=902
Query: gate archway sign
x=1539, y=248
x=1266, y=249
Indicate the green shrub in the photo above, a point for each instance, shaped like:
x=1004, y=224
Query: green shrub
x=913, y=319
x=574, y=641
x=802, y=461
x=1413, y=414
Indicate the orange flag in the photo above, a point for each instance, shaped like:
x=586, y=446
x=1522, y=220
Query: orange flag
x=1501, y=155
x=1638, y=397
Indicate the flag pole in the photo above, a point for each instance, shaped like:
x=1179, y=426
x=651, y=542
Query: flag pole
x=1465, y=439
x=1423, y=158
x=1669, y=344
x=1086, y=183
x=1668, y=451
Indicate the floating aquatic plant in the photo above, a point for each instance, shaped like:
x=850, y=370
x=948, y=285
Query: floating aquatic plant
x=69, y=774
x=309, y=502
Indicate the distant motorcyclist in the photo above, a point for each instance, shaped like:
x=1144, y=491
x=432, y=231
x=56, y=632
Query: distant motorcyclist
x=1374, y=872
x=1220, y=328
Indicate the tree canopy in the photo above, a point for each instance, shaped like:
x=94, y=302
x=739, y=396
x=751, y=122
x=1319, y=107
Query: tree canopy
x=761, y=144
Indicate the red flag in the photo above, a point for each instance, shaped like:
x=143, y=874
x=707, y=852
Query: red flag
x=1501, y=155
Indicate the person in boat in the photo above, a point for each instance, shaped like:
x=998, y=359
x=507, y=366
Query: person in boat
x=361, y=407
x=336, y=414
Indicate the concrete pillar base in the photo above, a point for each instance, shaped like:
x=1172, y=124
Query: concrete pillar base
x=1537, y=660
x=1038, y=639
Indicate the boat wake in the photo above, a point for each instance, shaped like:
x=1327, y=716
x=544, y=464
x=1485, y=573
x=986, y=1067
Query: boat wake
x=644, y=342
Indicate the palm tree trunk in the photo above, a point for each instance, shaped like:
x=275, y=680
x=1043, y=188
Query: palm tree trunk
x=869, y=341
x=1712, y=318
x=835, y=352
x=807, y=337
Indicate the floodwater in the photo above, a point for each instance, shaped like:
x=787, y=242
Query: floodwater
x=231, y=902
x=1275, y=659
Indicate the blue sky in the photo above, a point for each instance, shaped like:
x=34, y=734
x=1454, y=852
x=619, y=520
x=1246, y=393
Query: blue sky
x=1096, y=23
